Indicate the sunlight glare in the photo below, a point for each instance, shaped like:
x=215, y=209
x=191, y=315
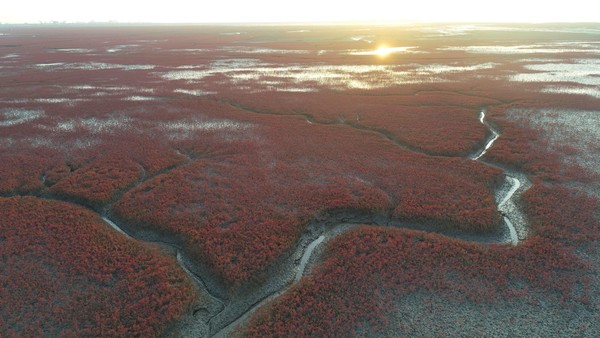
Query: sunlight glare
x=382, y=51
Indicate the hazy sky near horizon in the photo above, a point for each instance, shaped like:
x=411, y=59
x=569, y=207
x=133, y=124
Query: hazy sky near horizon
x=228, y=11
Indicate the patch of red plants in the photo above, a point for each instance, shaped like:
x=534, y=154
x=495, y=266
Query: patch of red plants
x=367, y=271
x=22, y=169
x=517, y=148
x=437, y=123
x=240, y=205
x=97, y=183
x=64, y=272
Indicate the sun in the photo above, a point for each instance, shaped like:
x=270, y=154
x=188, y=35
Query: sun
x=382, y=51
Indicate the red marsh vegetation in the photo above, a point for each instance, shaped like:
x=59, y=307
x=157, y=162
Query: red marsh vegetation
x=367, y=272
x=67, y=273
x=229, y=142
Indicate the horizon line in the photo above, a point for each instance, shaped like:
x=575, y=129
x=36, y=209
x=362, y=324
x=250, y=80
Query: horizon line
x=294, y=23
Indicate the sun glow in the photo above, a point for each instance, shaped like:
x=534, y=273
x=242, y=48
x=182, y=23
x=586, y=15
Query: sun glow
x=383, y=51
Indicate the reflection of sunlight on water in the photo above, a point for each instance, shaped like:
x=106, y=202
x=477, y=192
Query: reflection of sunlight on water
x=581, y=71
x=85, y=91
x=453, y=30
x=293, y=90
x=187, y=74
x=255, y=50
x=104, y=125
x=139, y=98
x=384, y=51
x=461, y=29
x=190, y=50
x=61, y=127
x=590, y=91
x=237, y=63
x=49, y=65
x=541, y=60
x=84, y=87
x=183, y=129
x=204, y=125
x=11, y=117
x=53, y=100
x=57, y=100
x=66, y=125
x=367, y=39
x=193, y=92
x=91, y=66
x=551, y=48
x=189, y=67
x=119, y=48
x=439, y=68
x=72, y=50
x=335, y=76
x=70, y=144
x=91, y=124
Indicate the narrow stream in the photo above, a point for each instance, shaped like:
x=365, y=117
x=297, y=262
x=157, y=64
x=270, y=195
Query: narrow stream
x=227, y=330
x=201, y=284
x=514, y=182
x=514, y=239
x=491, y=141
x=116, y=227
x=308, y=252
x=306, y=256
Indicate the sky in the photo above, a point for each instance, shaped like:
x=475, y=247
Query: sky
x=253, y=11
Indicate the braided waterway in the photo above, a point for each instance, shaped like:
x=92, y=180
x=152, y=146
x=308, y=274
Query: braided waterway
x=224, y=312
